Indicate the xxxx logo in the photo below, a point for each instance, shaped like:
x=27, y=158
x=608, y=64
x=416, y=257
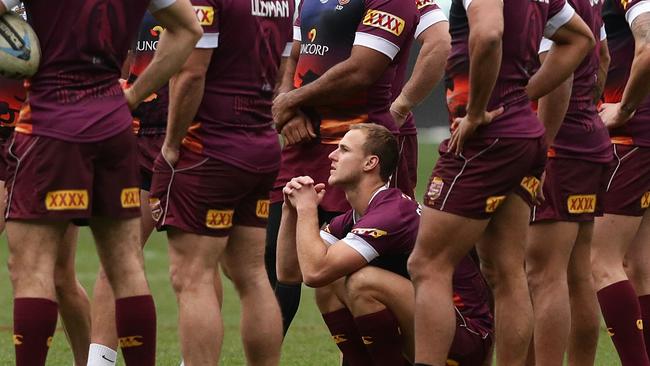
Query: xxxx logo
x=492, y=203
x=339, y=338
x=18, y=339
x=531, y=185
x=219, y=219
x=424, y=3
x=645, y=200
x=262, y=209
x=205, y=14
x=375, y=233
x=130, y=197
x=581, y=203
x=66, y=200
x=131, y=341
x=386, y=21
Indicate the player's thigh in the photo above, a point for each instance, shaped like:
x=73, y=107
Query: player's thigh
x=579, y=273
x=65, y=270
x=612, y=236
x=243, y=257
x=193, y=258
x=638, y=256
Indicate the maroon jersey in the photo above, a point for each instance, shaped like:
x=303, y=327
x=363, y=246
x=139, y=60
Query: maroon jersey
x=525, y=22
x=583, y=134
x=12, y=96
x=385, y=236
x=234, y=122
x=150, y=118
x=75, y=95
x=430, y=14
x=618, y=16
x=328, y=31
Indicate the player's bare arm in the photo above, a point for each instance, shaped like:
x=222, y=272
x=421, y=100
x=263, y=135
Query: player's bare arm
x=287, y=264
x=603, y=67
x=321, y=264
x=185, y=95
x=182, y=31
x=428, y=70
x=553, y=106
x=637, y=87
x=354, y=75
x=571, y=43
x=485, y=51
x=286, y=81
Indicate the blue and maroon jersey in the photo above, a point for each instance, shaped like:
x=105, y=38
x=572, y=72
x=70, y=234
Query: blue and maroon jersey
x=234, y=122
x=327, y=32
x=430, y=14
x=12, y=97
x=583, y=135
x=385, y=236
x=150, y=118
x=618, y=17
x=75, y=95
x=525, y=22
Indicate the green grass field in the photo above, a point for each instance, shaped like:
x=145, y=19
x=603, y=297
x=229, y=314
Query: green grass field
x=306, y=344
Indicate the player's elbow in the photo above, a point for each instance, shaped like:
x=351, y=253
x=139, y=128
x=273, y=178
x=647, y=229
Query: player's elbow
x=488, y=37
x=195, y=32
x=316, y=279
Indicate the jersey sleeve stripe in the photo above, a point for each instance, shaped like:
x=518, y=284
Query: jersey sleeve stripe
x=328, y=238
x=361, y=246
x=428, y=20
x=558, y=20
x=156, y=5
x=297, y=36
x=287, y=49
x=636, y=10
x=208, y=40
x=603, y=33
x=379, y=44
x=545, y=45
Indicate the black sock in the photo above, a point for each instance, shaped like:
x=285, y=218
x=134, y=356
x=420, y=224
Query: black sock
x=289, y=298
x=272, y=228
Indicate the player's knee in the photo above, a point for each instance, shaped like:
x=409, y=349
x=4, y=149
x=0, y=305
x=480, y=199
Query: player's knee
x=65, y=281
x=186, y=278
x=289, y=274
x=424, y=268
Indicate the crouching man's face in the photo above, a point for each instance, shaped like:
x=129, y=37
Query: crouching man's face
x=348, y=160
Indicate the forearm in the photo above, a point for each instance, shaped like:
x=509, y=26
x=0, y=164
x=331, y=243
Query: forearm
x=638, y=85
x=603, y=68
x=311, y=249
x=552, y=109
x=485, y=63
x=560, y=63
x=286, y=81
x=185, y=96
x=287, y=263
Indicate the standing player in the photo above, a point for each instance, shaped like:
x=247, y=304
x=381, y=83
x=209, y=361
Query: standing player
x=149, y=123
x=343, y=61
x=359, y=261
x=76, y=119
x=558, y=250
x=433, y=35
x=623, y=233
x=212, y=181
x=488, y=172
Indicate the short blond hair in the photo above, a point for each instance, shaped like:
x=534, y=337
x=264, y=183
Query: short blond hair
x=381, y=143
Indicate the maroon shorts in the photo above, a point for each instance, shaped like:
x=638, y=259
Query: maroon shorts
x=55, y=179
x=477, y=181
x=310, y=159
x=406, y=177
x=206, y=196
x=471, y=346
x=628, y=181
x=573, y=191
x=3, y=159
x=149, y=147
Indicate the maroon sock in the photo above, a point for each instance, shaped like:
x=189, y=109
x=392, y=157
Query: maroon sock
x=644, y=302
x=620, y=308
x=381, y=335
x=136, y=328
x=34, y=326
x=345, y=334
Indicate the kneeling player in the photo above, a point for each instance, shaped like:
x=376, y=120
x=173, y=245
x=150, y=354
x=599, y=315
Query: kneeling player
x=369, y=309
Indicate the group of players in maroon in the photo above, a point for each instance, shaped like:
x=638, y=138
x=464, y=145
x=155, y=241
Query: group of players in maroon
x=548, y=198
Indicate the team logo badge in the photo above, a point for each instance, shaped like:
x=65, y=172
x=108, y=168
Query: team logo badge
x=131, y=341
x=156, y=209
x=531, y=185
x=581, y=203
x=66, y=200
x=339, y=338
x=451, y=362
x=130, y=197
x=645, y=200
x=18, y=340
x=219, y=219
x=424, y=3
x=639, y=324
x=155, y=31
x=435, y=188
x=367, y=340
x=492, y=203
x=205, y=14
x=386, y=21
x=311, y=35
x=624, y=4
x=372, y=232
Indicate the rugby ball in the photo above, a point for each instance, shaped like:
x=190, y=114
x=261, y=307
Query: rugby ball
x=20, y=53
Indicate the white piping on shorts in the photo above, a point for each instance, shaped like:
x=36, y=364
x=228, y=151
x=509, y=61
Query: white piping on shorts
x=442, y=207
x=171, y=180
x=18, y=160
x=400, y=155
x=463, y=324
x=618, y=164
